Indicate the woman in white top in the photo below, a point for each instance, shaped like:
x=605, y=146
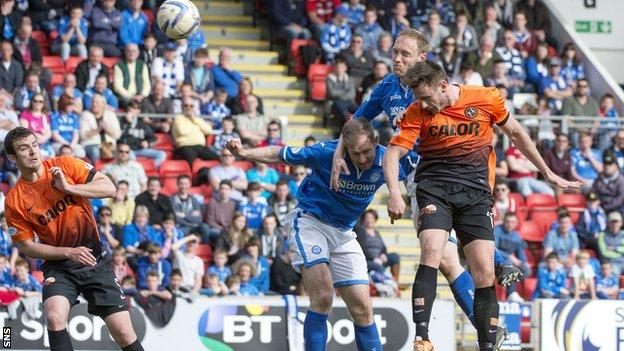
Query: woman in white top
x=99, y=128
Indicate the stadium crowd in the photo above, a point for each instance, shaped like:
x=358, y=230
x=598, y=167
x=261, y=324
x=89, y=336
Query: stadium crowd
x=188, y=219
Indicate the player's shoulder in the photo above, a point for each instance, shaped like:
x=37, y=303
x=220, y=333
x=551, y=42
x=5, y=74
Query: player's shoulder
x=390, y=82
x=477, y=94
x=61, y=161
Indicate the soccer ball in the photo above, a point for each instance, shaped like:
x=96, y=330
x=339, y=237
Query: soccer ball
x=178, y=19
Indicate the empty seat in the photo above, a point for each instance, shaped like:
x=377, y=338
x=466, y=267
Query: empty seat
x=528, y=287
x=148, y=166
x=54, y=64
x=317, y=75
x=295, y=55
x=164, y=142
x=541, y=200
x=543, y=217
x=531, y=231
x=576, y=201
x=174, y=168
x=199, y=164
x=244, y=165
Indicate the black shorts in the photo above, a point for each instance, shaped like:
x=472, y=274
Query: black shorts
x=97, y=284
x=447, y=205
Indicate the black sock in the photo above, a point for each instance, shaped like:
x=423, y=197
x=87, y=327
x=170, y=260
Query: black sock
x=423, y=294
x=486, y=316
x=60, y=340
x=135, y=346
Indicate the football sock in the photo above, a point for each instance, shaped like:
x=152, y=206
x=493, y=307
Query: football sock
x=367, y=338
x=315, y=331
x=60, y=340
x=486, y=316
x=423, y=295
x=463, y=291
x=135, y=346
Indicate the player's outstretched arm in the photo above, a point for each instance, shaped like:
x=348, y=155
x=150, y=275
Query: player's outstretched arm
x=99, y=187
x=269, y=154
x=396, y=205
x=46, y=252
x=523, y=142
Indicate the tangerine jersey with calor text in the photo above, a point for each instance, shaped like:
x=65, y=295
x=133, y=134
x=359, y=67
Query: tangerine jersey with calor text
x=58, y=219
x=456, y=143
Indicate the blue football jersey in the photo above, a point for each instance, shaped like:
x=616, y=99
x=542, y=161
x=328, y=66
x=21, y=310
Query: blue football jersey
x=343, y=208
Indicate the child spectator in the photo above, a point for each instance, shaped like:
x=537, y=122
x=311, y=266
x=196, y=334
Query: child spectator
x=511, y=245
x=336, y=35
x=253, y=206
x=607, y=284
x=171, y=234
x=271, y=237
x=216, y=108
x=150, y=50
x=156, y=301
x=582, y=274
x=227, y=133
x=138, y=233
x=120, y=264
x=592, y=221
x=219, y=266
x=191, y=266
x=245, y=271
x=153, y=262
x=284, y=279
x=23, y=282
x=153, y=288
x=108, y=232
x=214, y=287
x=175, y=284
x=233, y=284
x=551, y=279
x=261, y=279
x=128, y=286
x=265, y=176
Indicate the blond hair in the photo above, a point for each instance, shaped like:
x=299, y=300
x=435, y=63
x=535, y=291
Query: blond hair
x=419, y=37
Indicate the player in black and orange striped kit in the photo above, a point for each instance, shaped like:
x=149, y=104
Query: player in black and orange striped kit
x=455, y=176
x=50, y=201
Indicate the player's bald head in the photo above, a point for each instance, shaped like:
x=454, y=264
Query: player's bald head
x=356, y=128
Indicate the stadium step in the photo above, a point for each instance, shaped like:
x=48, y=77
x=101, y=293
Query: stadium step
x=248, y=56
x=224, y=8
x=287, y=108
x=240, y=44
x=231, y=32
x=305, y=120
x=229, y=20
x=279, y=93
x=267, y=81
x=400, y=238
x=253, y=69
x=296, y=132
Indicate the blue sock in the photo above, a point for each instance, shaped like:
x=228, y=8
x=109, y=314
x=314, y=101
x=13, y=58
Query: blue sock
x=367, y=338
x=315, y=331
x=463, y=291
x=499, y=258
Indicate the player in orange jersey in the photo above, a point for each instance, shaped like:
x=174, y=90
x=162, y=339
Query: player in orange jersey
x=50, y=201
x=454, y=125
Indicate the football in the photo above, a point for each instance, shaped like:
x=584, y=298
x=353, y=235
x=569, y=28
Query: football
x=178, y=19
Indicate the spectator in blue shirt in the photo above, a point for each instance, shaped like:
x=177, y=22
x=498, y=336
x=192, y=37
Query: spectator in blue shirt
x=289, y=18
x=219, y=265
x=200, y=76
x=23, y=282
x=217, y=108
x=607, y=283
x=224, y=74
x=262, y=278
x=227, y=133
x=69, y=88
x=336, y=35
x=7, y=248
x=245, y=270
x=562, y=241
x=133, y=24
x=397, y=21
x=554, y=87
x=265, y=176
x=100, y=87
x=139, y=233
x=511, y=246
x=370, y=30
x=65, y=126
x=592, y=221
x=153, y=262
x=511, y=56
x=355, y=12
x=572, y=67
x=5, y=272
x=195, y=42
x=586, y=161
x=254, y=207
x=551, y=279
x=72, y=36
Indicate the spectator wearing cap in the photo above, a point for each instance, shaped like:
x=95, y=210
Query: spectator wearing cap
x=610, y=185
x=225, y=75
x=592, y=221
x=158, y=204
x=131, y=79
x=72, y=35
x=581, y=103
x=133, y=24
x=105, y=24
x=611, y=242
x=370, y=30
x=563, y=240
x=558, y=157
x=554, y=87
x=169, y=69
x=586, y=161
x=336, y=35
x=88, y=70
x=320, y=13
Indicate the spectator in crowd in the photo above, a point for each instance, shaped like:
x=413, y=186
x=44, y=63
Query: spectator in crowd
x=214, y=287
x=502, y=168
x=253, y=206
x=482, y=60
x=149, y=50
x=44, y=14
x=120, y=264
x=511, y=246
x=121, y=206
x=537, y=14
x=571, y=66
x=369, y=30
x=233, y=239
x=68, y=88
x=504, y=11
x=380, y=71
x=607, y=106
x=489, y=27
x=512, y=58
x=524, y=173
x=607, y=283
x=272, y=237
x=108, y=232
x=384, y=51
x=23, y=283
x=157, y=103
x=449, y=58
x=336, y=35
x=8, y=118
x=434, y=30
x=153, y=262
x=551, y=279
x=220, y=210
x=217, y=109
x=245, y=271
x=27, y=49
x=581, y=103
x=131, y=80
x=31, y=86
x=320, y=13
x=65, y=126
x=274, y=135
x=265, y=176
x=586, y=161
x=169, y=69
x=284, y=279
x=341, y=91
x=153, y=297
x=608, y=124
x=105, y=24
x=536, y=66
x=189, y=134
x=281, y=202
x=253, y=254
x=592, y=221
x=123, y=168
x=158, y=204
x=525, y=41
x=377, y=256
x=90, y=69
x=397, y=21
x=170, y=233
x=445, y=9
x=99, y=129
x=563, y=241
x=467, y=75
x=299, y=173
x=219, y=266
x=617, y=148
x=611, y=242
x=355, y=13
x=558, y=157
x=238, y=103
x=252, y=125
x=36, y=119
x=554, y=86
x=465, y=34
x=227, y=170
x=72, y=35
x=473, y=9
x=188, y=210
x=200, y=76
x=502, y=77
x=100, y=88
x=5, y=273
x=139, y=233
x=224, y=74
x=186, y=260
x=128, y=286
x=227, y=133
x=139, y=135
x=359, y=61
x=583, y=275
x=10, y=18
x=288, y=18
x=133, y=24
x=8, y=250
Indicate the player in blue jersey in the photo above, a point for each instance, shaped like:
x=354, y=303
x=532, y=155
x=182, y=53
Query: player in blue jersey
x=325, y=249
x=392, y=97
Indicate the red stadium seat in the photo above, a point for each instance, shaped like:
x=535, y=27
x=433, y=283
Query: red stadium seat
x=4, y=187
x=149, y=166
x=528, y=287
x=54, y=64
x=99, y=164
x=110, y=61
x=73, y=62
x=244, y=165
x=541, y=200
x=532, y=231
x=204, y=251
x=295, y=55
x=519, y=199
x=210, y=139
x=543, y=217
x=501, y=293
x=317, y=75
x=204, y=190
x=38, y=275
x=42, y=40
x=199, y=164
x=174, y=168
x=57, y=79
x=169, y=186
x=576, y=201
x=164, y=142
x=150, y=17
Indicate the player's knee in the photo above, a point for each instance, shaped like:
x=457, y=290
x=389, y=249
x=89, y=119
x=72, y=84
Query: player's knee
x=362, y=313
x=322, y=299
x=124, y=336
x=56, y=320
x=483, y=277
x=431, y=254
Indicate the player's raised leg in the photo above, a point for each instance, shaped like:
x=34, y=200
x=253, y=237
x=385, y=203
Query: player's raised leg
x=459, y=279
x=120, y=327
x=318, y=284
x=56, y=310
